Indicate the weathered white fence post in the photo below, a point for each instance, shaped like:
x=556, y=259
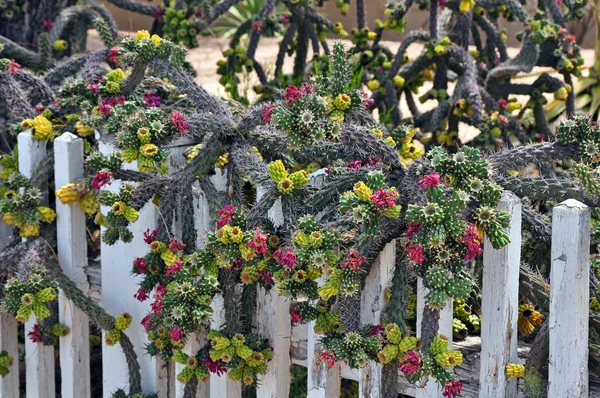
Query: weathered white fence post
x=569, y=301
x=39, y=357
x=433, y=389
x=9, y=384
x=220, y=386
x=372, y=304
x=72, y=256
x=500, y=307
x=273, y=318
x=9, y=341
x=118, y=288
x=322, y=382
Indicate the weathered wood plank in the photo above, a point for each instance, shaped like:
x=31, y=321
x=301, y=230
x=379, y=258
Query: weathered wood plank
x=40, y=358
x=432, y=389
x=72, y=256
x=569, y=301
x=371, y=307
x=500, y=307
x=273, y=319
x=118, y=288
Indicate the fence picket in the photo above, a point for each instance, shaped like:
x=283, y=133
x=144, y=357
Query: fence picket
x=273, y=319
x=118, y=288
x=433, y=389
x=9, y=384
x=569, y=301
x=500, y=307
x=39, y=378
x=371, y=307
x=72, y=256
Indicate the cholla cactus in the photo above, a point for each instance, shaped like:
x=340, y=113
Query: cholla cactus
x=31, y=296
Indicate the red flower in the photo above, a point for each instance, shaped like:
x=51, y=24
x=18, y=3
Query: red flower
x=452, y=388
x=415, y=253
x=502, y=103
x=101, y=178
x=177, y=333
x=267, y=113
x=94, y=87
x=430, y=181
x=471, y=239
x=295, y=316
x=259, y=242
x=147, y=322
x=266, y=276
x=141, y=295
x=176, y=246
x=352, y=260
x=150, y=237
x=158, y=14
x=177, y=265
x=39, y=108
x=286, y=19
x=383, y=198
x=13, y=67
x=328, y=358
x=410, y=363
x=376, y=330
x=286, y=258
x=151, y=100
x=214, y=366
x=354, y=165
x=225, y=215
x=257, y=26
x=47, y=24
x=36, y=334
x=113, y=54
x=293, y=94
x=141, y=265
x=413, y=228
x=179, y=122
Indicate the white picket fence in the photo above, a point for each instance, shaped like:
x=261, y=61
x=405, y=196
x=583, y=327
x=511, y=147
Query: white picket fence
x=569, y=309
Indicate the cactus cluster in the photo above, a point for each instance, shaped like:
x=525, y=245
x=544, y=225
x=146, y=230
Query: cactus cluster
x=31, y=296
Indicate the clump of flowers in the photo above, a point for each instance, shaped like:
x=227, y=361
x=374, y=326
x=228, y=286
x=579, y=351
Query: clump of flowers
x=233, y=246
x=344, y=278
x=245, y=356
x=370, y=201
x=356, y=348
x=529, y=319
x=79, y=192
x=23, y=210
x=409, y=149
x=286, y=183
x=31, y=296
x=313, y=115
x=119, y=216
x=396, y=346
x=313, y=250
x=437, y=362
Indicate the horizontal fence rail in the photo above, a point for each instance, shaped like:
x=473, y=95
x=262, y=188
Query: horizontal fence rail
x=296, y=344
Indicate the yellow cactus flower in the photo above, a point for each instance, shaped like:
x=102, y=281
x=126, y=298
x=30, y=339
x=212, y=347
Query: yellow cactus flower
x=156, y=40
x=363, y=191
x=8, y=218
x=83, y=130
x=118, y=208
x=277, y=171
x=222, y=161
x=42, y=127
x=149, y=150
x=29, y=231
x=47, y=215
x=141, y=35
x=68, y=194
x=373, y=85
x=26, y=124
x=515, y=370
